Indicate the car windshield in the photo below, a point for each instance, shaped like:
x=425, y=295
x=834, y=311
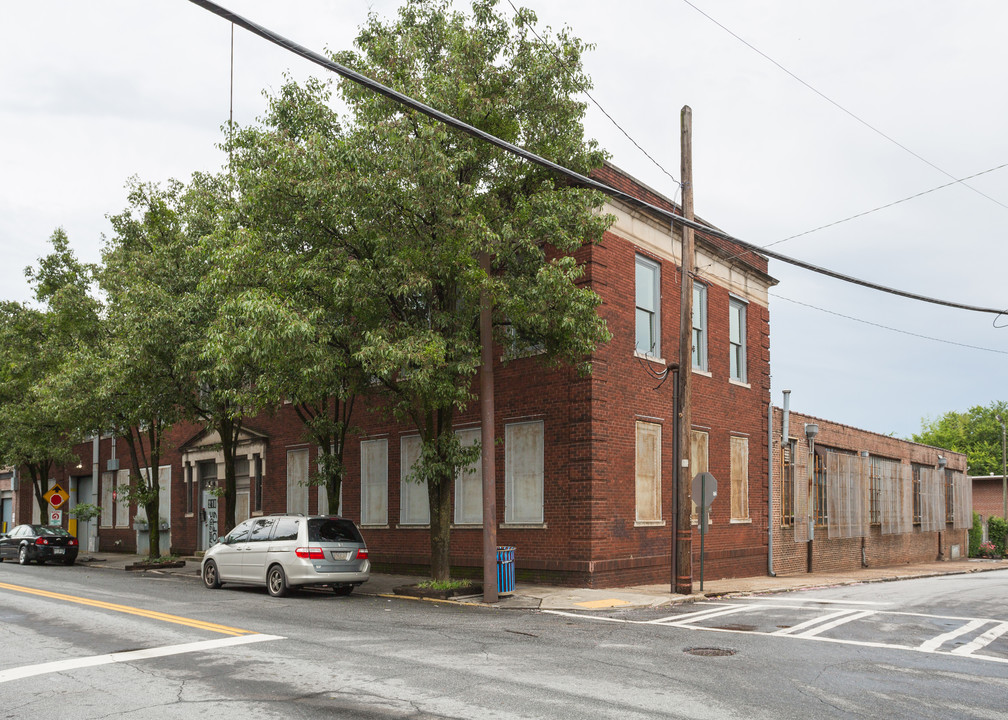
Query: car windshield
x=332, y=530
x=49, y=530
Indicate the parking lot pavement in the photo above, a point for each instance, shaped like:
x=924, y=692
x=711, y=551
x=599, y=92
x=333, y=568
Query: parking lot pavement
x=552, y=597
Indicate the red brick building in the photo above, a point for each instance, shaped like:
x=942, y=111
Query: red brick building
x=988, y=496
x=585, y=464
x=873, y=500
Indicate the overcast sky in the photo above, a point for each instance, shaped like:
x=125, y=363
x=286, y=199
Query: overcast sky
x=886, y=94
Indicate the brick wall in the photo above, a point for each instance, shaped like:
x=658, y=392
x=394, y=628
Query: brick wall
x=877, y=550
x=988, y=496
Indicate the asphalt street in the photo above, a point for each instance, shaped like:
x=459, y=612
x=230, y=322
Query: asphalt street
x=87, y=642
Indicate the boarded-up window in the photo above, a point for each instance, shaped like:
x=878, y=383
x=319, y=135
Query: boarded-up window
x=739, y=478
x=699, y=441
x=164, y=493
x=122, y=518
x=374, y=482
x=324, y=506
x=648, y=472
x=297, y=481
x=523, y=472
x=469, y=484
x=107, y=486
x=414, y=504
x=963, y=510
x=845, y=495
x=932, y=500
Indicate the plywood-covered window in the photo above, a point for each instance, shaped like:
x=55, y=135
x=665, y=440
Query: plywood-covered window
x=523, y=472
x=469, y=484
x=122, y=518
x=647, y=472
x=699, y=444
x=739, y=478
x=297, y=481
x=374, y=482
x=414, y=505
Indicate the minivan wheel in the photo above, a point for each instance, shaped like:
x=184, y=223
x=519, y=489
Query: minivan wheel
x=342, y=590
x=210, y=577
x=276, y=581
x=23, y=555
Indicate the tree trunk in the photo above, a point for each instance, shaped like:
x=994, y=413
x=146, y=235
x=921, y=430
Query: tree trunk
x=227, y=429
x=439, y=495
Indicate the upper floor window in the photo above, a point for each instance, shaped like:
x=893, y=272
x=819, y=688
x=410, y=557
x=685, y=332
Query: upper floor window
x=699, y=326
x=736, y=340
x=647, y=283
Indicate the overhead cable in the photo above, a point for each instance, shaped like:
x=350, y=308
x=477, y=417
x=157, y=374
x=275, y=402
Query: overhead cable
x=596, y=103
x=840, y=107
x=580, y=179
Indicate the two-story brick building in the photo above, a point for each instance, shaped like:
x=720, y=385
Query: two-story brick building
x=585, y=464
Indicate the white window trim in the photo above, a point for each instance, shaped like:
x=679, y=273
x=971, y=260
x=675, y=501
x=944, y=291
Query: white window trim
x=743, y=306
x=704, y=327
x=642, y=261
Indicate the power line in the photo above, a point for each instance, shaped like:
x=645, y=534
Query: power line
x=837, y=105
x=595, y=102
x=891, y=329
x=582, y=180
x=887, y=205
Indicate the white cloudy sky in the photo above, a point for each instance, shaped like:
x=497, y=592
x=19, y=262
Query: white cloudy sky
x=94, y=92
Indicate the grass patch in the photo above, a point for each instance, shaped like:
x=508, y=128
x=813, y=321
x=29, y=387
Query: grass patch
x=444, y=584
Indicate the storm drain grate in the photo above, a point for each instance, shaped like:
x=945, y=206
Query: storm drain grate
x=710, y=651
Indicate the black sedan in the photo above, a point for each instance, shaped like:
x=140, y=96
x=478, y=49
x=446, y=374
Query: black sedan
x=40, y=543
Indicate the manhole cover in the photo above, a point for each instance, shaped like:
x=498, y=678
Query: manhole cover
x=710, y=651
x=739, y=628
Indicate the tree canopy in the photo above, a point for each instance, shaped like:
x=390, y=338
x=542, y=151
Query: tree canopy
x=975, y=432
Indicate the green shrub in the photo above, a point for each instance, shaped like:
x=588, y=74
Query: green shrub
x=975, y=536
x=997, y=528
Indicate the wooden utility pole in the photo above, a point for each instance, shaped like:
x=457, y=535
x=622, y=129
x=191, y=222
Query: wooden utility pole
x=684, y=531
x=487, y=442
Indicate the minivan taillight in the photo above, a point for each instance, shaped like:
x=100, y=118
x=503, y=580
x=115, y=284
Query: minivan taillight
x=362, y=553
x=310, y=553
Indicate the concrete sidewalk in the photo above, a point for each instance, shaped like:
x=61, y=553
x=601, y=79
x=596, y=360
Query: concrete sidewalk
x=551, y=597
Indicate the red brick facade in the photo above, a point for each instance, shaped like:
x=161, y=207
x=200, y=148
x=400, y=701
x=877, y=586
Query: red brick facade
x=876, y=549
x=591, y=531
x=988, y=496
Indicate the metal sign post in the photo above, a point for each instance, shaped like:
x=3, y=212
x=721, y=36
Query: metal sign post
x=705, y=490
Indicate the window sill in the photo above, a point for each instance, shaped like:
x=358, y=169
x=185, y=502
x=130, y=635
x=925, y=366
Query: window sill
x=740, y=521
x=651, y=358
x=523, y=526
x=705, y=373
x=376, y=527
x=739, y=383
x=649, y=523
x=413, y=526
x=467, y=526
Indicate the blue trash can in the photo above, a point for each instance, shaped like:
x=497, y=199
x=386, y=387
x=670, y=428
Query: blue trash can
x=505, y=569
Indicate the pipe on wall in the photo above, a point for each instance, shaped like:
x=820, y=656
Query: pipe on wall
x=770, y=513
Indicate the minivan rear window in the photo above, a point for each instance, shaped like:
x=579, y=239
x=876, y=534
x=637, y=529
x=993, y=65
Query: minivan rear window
x=333, y=530
x=286, y=529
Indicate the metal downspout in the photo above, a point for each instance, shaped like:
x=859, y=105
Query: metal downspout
x=770, y=514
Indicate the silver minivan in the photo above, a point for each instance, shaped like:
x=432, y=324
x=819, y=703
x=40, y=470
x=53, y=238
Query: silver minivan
x=284, y=551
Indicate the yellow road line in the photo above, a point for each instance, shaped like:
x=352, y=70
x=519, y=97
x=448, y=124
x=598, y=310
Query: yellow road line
x=164, y=617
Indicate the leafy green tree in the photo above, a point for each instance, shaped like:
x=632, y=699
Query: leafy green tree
x=35, y=343
x=431, y=202
x=289, y=311
x=976, y=432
